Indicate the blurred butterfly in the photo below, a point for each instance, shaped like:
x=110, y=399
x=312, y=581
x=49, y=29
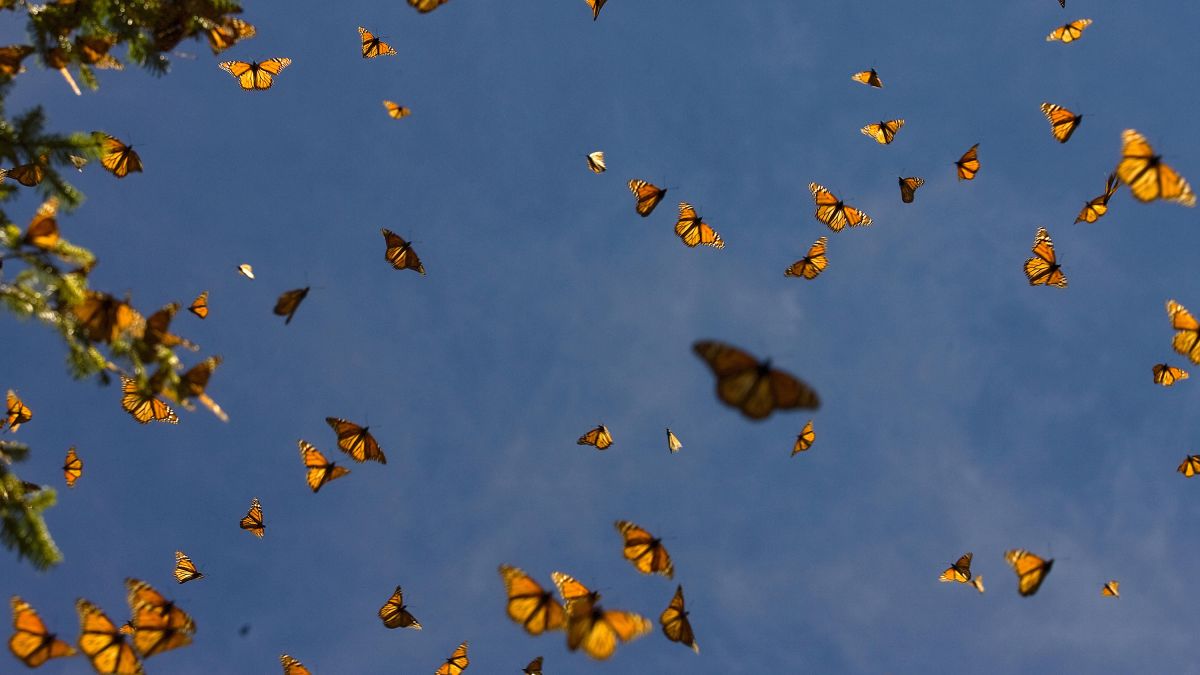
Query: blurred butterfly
x=644, y=550
x=1190, y=466
x=959, y=572
x=72, y=467
x=693, y=230
x=804, y=440
x=158, y=625
x=157, y=332
x=118, y=158
x=253, y=519
x=1062, y=3
x=395, y=110
x=673, y=443
x=103, y=318
x=43, y=229
x=675, y=624
x=968, y=164
x=534, y=667
x=1168, y=375
x=883, y=132
x=289, y=302
x=1043, y=268
x=868, y=77
x=199, y=306
x=320, y=470
x=11, y=57
x=1031, y=570
x=529, y=604
x=78, y=162
x=908, y=188
x=292, y=667
x=1093, y=210
x=227, y=33
x=400, y=253
x=255, y=76
x=1147, y=177
x=1070, y=32
x=1187, y=340
x=977, y=582
x=597, y=630
x=833, y=212
x=1062, y=121
x=424, y=6
x=1111, y=589
x=648, y=196
x=246, y=270
x=595, y=162
x=598, y=437
x=185, y=569
x=28, y=175
x=356, y=441
x=457, y=662
x=596, y=5
x=17, y=413
x=93, y=51
x=572, y=590
x=753, y=387
x=395, y=614
x=813, y=262
x=193, y=383
x=31, y=642
x=373, y=46
x=143, y=406
x=103, y=643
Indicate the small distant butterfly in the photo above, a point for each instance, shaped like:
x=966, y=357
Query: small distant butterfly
x=1111, y=589
x=598, y=437
x=813, y=262
x=356, y=441
x=1093, y=210
x=199, y=306
x=1063, y=122
x=395, y=614
x=400, y=253
x=72, y=467
x=751, y=386
x=289, y=302
x=968, y=164
x=31, y=642
x=373, y=46
x=835, y=213
x=158, y=624
x=94, y=52
x=675, y=624
x=693, y=230
x=883, y=132
x=1190, y=466
x=1031, y=570
x=143, y=406
x=959, y=571
x=596, y=5
x=17, y=413
x=529, y=604
x=424, y=6
x=1070, y=32
x=457, y=662
x=648, y=196
x=673, y=443
x=246, y=270
x=103, y=643
x=1168, y=375
x=1147, y=177
x=644, y=550
x=534, y=667
x=320, y=470
x=1043, y=268
x=805, y=439
x=255, y=76
x=292, y=667
x=253, y=520
x=1187, y=339
x=185, y=569
x=977, y=582
x=118, y=158
x=595, y=162
x=868, y=77
x=78, y=162
x=395, y=110
x=228, y=32
x=43, y=229
x=908, y=188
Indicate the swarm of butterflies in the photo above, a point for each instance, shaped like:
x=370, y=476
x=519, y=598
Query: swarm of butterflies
x=753, y=387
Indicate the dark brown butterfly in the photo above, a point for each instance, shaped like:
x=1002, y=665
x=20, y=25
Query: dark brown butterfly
x=289, y=302
x=751, y=386
x=675, y=624
x=356, y=441
x=400, y=253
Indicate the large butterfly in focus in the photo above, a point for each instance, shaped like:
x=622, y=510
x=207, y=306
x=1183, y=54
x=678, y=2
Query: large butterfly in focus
x=675, y=624
x=143, y=406
x=255, y=76
x=1043, y=269
x=753, y=387
x=1147, y=177
x=834, y=212
x=692, y=229
x=1063, y=122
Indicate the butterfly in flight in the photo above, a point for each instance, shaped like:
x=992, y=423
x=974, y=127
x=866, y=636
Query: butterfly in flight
x=1111, y=589
x=1043, y=268
x=158, y=625
x=118, y=158
x=457, y=662
x=320, y=470
x=1063, y=122
x=143, y=406
x=1093, y=210
x=1147, y=177
x=835, y=213
x=693, y=230
x=193, y=383
x=968, y=164
x=1031, y=570
x=373, y=46
x=395, y=614
x=648, y=196
x=529, y=604
x=103, y=318
x=645, y=551
x=1190, y=466
x=571, y=590
x=246, y=270
x=227, y=33
x=292, y=667
x=673, y=443
x=959, y=571
x=17, y=413
x=199, y=306
x=395, y=110
x=675, y=624
x=28, y=175
x=977, y=582
x=1168, y=375
x=1187, y=339
x=908, y=188
x=813, y=262
x=31, y=642
x=595, y=629
x=253, y=520
x=534, y=667
x=805, y=439
x=751, y=386
x=43, y=229
x=157, y=332
x=869, y=77
x=356, y=441
x=1070, y=32
x=11, y=57
x=289, y=302
x=883, y=132
x=255, y=76
x=596, y=5
x=595, y=161
x=103, y=643
x=400, y=253
x=424, y=6
x=72, y=467
x=598, y=437
x=185, y=569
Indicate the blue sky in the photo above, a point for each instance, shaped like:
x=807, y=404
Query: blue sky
x=962, y=409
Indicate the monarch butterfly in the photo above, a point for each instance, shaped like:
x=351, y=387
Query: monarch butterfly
x=193, y=383
x=753, y=387
x=43, y=229
x=11, y=57
x=158, y=625
x=534, y=667
x=908, y=188
x=529, y=604
x=227, y=33
x=400, y=253
x=143, y=406
x=968, y=164
x=17, y=412
x=598, y=437
x=959, y=571
x=185, y=569
x=424, y=6
x=1168, y=375
x=595, y=161
x=28, y=175
x=119, y=158
x=356, y=441
x=246, y=270
x=199, y=306
x=693, y=230
x=31, y=642
x=253, y=520
x=103, y=318
x=596, y=5
x=320, y=470
x=572, y=590
x=1031, y=570
x=804, y=440
x=833, y=212
x=597, y=630
x=673, y=443
x=1043, y=268
x=868, y=77
x=675, y=624
x=883, y=132
x=1093, y=210
x=289, y=302
x=977, y=582
x=103, y=643
x=648, y=196
x=813, y=262
x=255, y=76
x=395, y=110
x=1187, y=340
x=72, y=467
x=93, y=50
x=292, y=667
x=157, y=332
x=1063, y=122
x=1147, y=177
x=457, y=662
x=373, y=46
x=1190, y=466
x=78, y=162
x=1070, y=32
x=644, y=550
x=1111, y=589
x=395, y=614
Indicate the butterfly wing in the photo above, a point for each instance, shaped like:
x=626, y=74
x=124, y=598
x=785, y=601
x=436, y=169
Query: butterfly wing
x=596, y=163
x=529, y=604
x=599, y=437
x=534, y=667
x=968, y=164
x=959, y=572
x=253, y=520
x=185, y=569
x=1031, y=570
x=31, y=642
x=1062, y=121
x=456, y=663
x=289, y=302
x=1190, y=466
x=813, y=263
x=400, y=253
x=103, y=644
x=648, y=196
x=119, y=158
x=675, y=624
x=72, y=467
x=395, y=615
x=1111, y=589
x=292, y=667
x=424, y=6
x=868, y=77
x=673, y=443
x=144, y=407
x=908, y=188
x=596, y=6
x=356, y=441
x=805, y=439
x=17, y=412
x=395, y=110
x=199, y=306
x=1147, y=177
x=1043, y=268
x=572, y=591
